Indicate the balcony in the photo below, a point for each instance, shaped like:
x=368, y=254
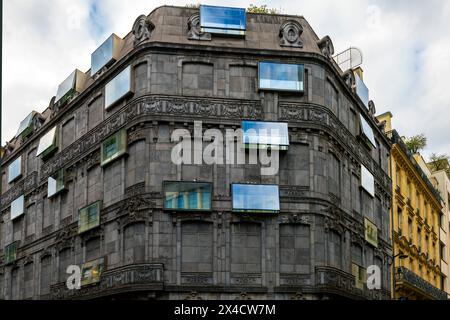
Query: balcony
x=410, y=280
x=136, y=277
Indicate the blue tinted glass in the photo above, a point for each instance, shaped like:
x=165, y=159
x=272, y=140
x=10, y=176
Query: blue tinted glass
x=223, y=20
x=102, y=56
x=187, y=195
x=118, y=87
x=362, y=91
x=367, y=131
x=17, y=207
x=258, y=133
x=259, y=198
x=15, y=169
x=280, y=76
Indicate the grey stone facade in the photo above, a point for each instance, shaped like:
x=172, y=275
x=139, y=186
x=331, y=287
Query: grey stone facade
x=304, y=252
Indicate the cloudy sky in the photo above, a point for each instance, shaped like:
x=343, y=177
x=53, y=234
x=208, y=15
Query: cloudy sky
x=406, y=47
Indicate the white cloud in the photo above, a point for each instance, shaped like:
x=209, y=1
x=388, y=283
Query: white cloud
x=406, y=50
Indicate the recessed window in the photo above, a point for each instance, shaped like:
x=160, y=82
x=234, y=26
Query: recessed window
x=281, y=76
x=362, y=91
x=25, y=127
x=106, y=54
x=17, y=207
x=371, y=232
x=15, y=170
x=69, y=87
x=114, y=147
x=11, y=253
x=55, y=184
x=118, y=88
x=263, y=135
x=47, y=144
x=367, y=181
x=89, y=217
x=187, y=196
x=367, y=132
x=91, y=272
x=255, y=198
x=223, y=20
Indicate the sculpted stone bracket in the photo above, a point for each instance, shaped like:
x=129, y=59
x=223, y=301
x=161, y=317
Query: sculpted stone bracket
x=326, y=46
x=290, y=33
x=142, y=29
x=194, y=32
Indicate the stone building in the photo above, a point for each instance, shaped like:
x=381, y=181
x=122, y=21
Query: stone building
x=90, y=181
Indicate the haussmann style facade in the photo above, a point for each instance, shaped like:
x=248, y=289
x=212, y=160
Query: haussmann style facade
x=90, y=181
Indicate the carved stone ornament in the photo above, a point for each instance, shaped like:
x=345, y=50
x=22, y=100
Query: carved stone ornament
x=142, y=29
x=372, y=109
x=290, y=32
x=326, y=46
x=349, y=79
x=194, y=32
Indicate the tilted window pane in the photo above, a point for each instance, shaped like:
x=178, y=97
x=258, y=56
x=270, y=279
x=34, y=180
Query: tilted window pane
x=223, y=20
x=106, y=53
x=55, y=184
x=17, y=207
x=265, y=134
x=367, y=131
x=362, y=91
x=66, y=87
x=11, y=253
x=187, y=195
x=281, y=76
x=89, y=217
x=91, y=271
x=15, y=169
x=47, y=141
x=371, y=232
x=114, y=147
x=118, y=87
x=367, y=181
x=25, y=124
x=255, y=198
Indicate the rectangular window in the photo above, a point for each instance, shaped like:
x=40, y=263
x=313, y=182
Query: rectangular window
x=25, y=127
x=15, y=170
x=187, y=196
x=255, y=198
x=360, y=276
x=281, y=76
x=55, y=184
x=89, y=217
x=263, y=135
x=106, y=54
x=91, y=271
x=17, y=207
x=367, y=132
x=223, y=20
x=118, y=88
x=371, y=232
x=367, y=181
x=114, y=147
x=47, y=144
x=362, y=91
x=11, y=253
x=70, y=86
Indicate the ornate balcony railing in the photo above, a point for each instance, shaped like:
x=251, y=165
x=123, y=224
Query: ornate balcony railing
x=136, y=277
x=404, y=276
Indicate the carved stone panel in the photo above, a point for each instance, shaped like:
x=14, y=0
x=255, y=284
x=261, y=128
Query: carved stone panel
x=290, y=32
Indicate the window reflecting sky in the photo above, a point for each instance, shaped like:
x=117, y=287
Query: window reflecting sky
x=249, y=197
x=212, y=17
x=118, y=87
x=66, y=86
x=367, y=130
x=281, y=76
x=46, y=141
x=367, y=181
x=17, y=207
x=15, y=169
x=102, y=55
x=25, y=124
x=265, y=133
x=187, y=195
x=362, y=91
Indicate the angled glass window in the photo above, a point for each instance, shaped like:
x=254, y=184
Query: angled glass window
x=255, y=198
x=89, y=217
x=259, y=134
x=114, y=147
x=181, y=195
x=107, y=53
x=70, y=86
x=91, y=272
x=367, y=181
x=15, y=170
x=281, y=76
x=223, y=20
x=17, y=207
x=371, y=232
x=11, y=253
x=367, y=131
x=47, y=143
x=362, y=91
x=55, y=184
x=25, y=127
x=118, y=87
